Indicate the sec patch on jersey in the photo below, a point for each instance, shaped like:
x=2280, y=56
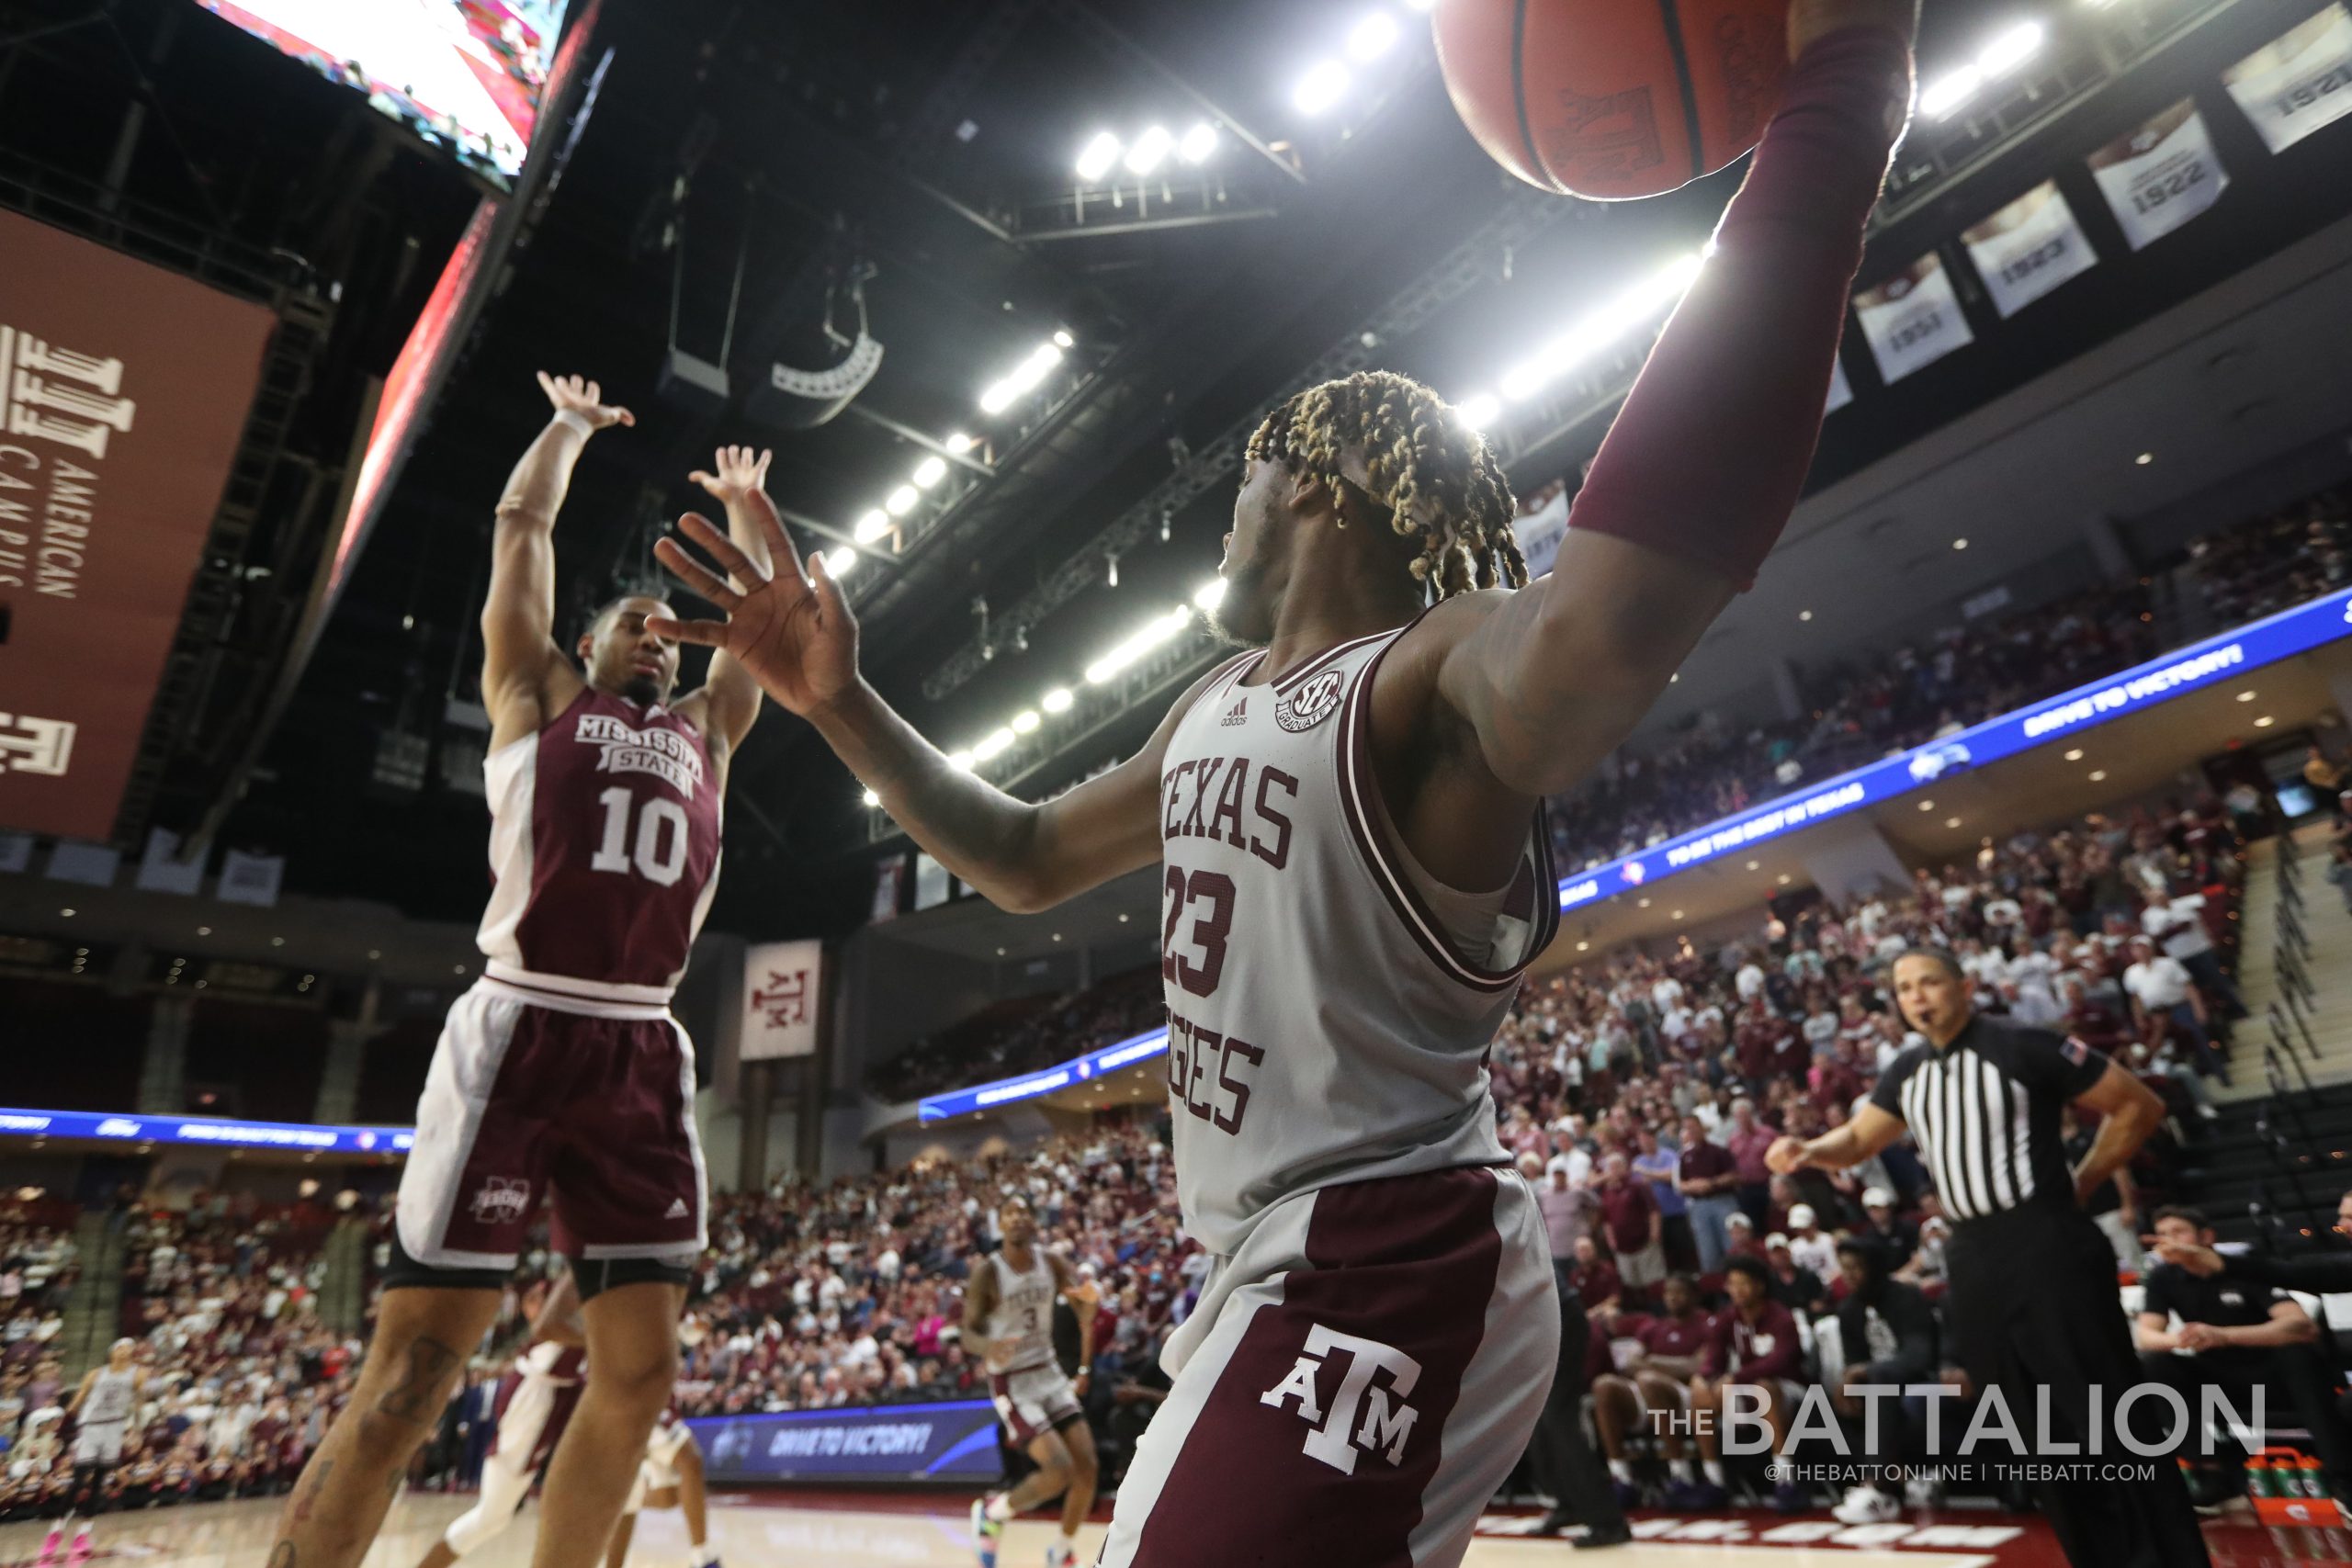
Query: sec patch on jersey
x=1315, y=701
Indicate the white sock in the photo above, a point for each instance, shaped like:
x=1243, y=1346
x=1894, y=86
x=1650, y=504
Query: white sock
x=1714, y=1469
x=702, y=1556
x=1680, y=1469
x=1620, y=1470
x=1000, y=1507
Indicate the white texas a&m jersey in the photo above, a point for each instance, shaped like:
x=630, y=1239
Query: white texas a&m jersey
x=1021, y=1330
x=1330, y=1005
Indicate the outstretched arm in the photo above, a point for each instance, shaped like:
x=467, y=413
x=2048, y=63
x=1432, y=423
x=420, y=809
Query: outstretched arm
x=1870, y=1131
x=2129, y=1110
x=732, y=696
x=793, y=632
x=518, y=618
x=1703, y=464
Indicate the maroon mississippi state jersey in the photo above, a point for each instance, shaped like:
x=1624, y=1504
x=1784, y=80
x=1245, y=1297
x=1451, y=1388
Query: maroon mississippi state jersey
x=604, y=844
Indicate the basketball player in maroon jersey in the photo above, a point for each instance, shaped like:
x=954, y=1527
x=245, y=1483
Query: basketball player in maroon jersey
x=561, y=1073
x=1355, y=870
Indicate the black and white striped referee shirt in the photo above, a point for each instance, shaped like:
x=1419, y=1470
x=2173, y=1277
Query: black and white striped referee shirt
x=1985, y=1112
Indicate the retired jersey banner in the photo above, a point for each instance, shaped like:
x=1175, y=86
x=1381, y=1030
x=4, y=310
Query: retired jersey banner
x=2029, y=248
x=2161, y=177
x=780, y=982
x=1913, y=319
x=123, y=390
x=2299, y=82
x=1841, y=390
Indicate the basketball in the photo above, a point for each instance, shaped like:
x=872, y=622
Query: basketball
x=1614, y=103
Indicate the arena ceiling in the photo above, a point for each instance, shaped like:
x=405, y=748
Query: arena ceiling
x=928, y=147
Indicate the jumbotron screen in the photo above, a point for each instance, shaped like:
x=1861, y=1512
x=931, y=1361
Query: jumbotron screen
x=466, y=75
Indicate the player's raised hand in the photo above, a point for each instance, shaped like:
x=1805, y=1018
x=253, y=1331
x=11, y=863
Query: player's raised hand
x=1811, y=19
x=734, y=474
x=570, y=394
x=790, y=630
x=1785, y=1157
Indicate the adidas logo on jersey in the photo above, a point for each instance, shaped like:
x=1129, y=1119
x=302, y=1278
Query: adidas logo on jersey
x=677, y=1210
x=1337, y=1435
x=1239, y=712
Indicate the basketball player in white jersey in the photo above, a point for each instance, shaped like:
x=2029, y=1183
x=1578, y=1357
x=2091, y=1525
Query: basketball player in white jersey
x=560, y=1075
x=1009, y=1323
x=1354, y=866
x=103, y=1405
x=670, y=1476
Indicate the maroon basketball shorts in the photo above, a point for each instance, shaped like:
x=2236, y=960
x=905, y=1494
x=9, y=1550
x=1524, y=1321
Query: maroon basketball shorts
x=546, y=1085
x=1357, y=1381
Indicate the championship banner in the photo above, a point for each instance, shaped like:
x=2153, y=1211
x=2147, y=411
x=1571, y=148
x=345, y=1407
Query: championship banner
x=2161, y=177
x=2029, y=248
x=1841, y=390
x=2299, y=82
x=780, y=983
x=123, y=392
x=1913, y=319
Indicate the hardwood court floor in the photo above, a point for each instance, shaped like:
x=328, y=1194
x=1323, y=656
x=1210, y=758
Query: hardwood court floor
x=785, y=1530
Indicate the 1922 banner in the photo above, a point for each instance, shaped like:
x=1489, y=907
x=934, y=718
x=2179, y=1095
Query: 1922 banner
x=123, y=389
x=780, y=995
x=2162, y=175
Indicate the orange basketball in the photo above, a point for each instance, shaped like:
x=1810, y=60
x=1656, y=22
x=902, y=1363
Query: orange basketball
x=1613, y=100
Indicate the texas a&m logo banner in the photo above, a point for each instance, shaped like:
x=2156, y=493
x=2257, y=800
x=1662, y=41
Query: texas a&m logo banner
x=780, y=994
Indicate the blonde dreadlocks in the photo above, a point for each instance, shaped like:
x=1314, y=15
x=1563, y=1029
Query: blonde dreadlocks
x=1437, y=478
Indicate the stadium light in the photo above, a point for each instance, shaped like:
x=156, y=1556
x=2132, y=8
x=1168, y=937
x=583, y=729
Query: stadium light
x=872, y=526
x=1479, y=412
x=1057, y=701
x=998, y=743
x=960, y=761
x=1095, y=159
x=2011, y=49
x=840, y=561
x=959, y=442
x=901, y=501
x=1150, y=149
x=1025, y=721
x=1209, y=595
x=1150, y=635
x=1199, y=143
x=1628, y=312
x=1418, y=5
x=1024, y=378
x=1373, y=37
x=930, y=471
x=870, y=799
x=1062, y=338
x=1947, y=92
x=1320, y=87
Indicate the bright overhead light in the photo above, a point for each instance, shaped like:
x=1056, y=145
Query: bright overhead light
x=1755, y=865
x=1057, y=701
x=872, y=526
x=998, y=398
x=2011, y=49
x=1373, y=37
x=1094, y=160
x=901, y=501
x=1804, y=615
x=959, y=442
x=930, y=471
x=1947, y=92
x=1025, y=721
x=2265, y=722
x=1199, y=143
x=1644, y=902
x=995, y=745
x=1153, y=633
x=1634, y=309
x=2076, y=755
x=1320, y=87
x=1952, y=821
x=2245, y=697
x=1151, y=151
x=1784, y=879
x=1210, y=594
x=1479, y=412
x=2098, y=775
x=1960, y=544
x=2144, y=458
x=1926, y=806
x=1418, y=5
x=840, y=561
x=871, y=799
x=1062, y=338
x=960, y=761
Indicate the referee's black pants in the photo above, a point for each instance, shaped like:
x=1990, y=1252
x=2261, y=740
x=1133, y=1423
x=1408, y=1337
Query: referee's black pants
x=2033, y=1305
x=1564, y=1462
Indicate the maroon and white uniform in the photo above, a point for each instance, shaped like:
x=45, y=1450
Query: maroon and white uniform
x=1376, y=1336
x=562, y=1068
x=534, y=1403
x=1031, y=1394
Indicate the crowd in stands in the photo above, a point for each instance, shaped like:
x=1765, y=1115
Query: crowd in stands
x=1023, y=1036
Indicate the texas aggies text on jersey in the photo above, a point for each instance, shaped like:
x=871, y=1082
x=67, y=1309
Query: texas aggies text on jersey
x=1330, y=1004
x=604, y=844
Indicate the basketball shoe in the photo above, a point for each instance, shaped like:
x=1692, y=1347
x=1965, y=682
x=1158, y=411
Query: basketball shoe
x=985, y=1533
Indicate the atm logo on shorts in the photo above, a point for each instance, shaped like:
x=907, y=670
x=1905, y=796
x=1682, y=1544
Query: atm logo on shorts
x=502, y=1200
x=1338, y=1435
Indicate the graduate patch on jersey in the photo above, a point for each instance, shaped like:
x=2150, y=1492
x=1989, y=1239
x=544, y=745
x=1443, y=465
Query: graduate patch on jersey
x=2075, y=1051
x=1315, y=701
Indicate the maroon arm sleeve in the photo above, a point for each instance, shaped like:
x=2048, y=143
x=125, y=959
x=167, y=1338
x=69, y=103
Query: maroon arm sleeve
x=1707, y=457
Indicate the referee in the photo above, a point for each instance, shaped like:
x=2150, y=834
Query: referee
x=2033, y=1302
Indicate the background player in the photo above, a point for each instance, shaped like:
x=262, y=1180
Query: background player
x=670, y=1476
x=1008, y=1321
x=1356, y=870
x=561, y=1071
x=534, y=1405
x=104, y=1406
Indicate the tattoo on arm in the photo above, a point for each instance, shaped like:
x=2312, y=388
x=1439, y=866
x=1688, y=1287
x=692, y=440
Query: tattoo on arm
x=312, y=1493
x=417, y=1396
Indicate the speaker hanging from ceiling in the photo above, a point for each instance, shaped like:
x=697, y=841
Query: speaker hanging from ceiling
x=791, y=397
